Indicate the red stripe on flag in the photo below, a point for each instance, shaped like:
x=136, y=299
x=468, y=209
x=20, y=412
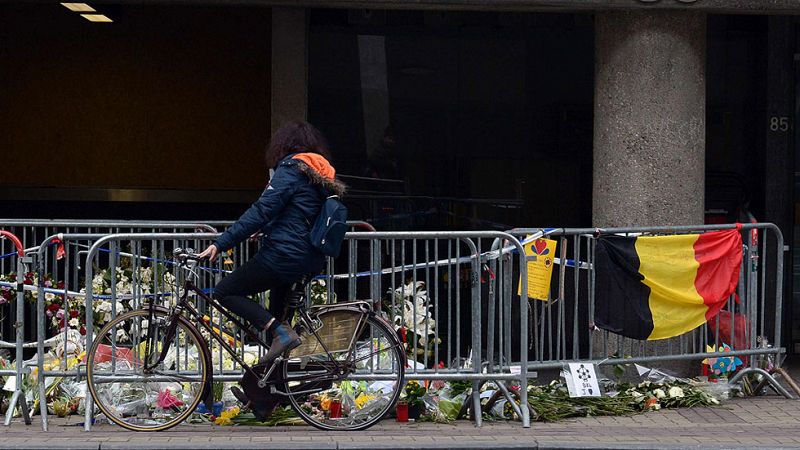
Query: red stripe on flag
x=720, y=256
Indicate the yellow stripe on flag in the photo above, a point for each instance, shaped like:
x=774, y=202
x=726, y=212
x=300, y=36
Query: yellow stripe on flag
x=669, y=268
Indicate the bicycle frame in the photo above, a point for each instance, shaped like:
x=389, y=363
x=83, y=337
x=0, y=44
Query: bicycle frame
x=184, y=306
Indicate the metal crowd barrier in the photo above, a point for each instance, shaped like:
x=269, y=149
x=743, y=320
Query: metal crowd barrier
x=452, y=268
x=562, y=326
x=455, y=296
x=113, y=253
x=428, y=281
x=30, y=233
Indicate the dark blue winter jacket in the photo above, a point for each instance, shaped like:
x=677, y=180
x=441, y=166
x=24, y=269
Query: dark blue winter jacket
x=284, y=214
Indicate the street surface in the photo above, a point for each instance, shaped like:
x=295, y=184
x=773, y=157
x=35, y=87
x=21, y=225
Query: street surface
x=762, y=422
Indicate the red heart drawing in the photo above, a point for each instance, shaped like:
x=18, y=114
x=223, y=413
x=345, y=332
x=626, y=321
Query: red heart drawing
x=540, y=245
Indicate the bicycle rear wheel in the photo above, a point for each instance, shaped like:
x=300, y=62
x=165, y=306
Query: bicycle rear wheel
x=141, y=399
x=361, y=380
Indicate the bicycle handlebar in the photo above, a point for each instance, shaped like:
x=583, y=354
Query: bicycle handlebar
x=185, y=255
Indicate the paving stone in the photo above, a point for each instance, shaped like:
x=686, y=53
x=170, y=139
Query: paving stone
x=764, y=422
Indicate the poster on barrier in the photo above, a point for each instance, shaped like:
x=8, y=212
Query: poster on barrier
x=581, y=380
x=540, y=253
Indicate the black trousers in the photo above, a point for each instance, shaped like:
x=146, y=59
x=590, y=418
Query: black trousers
x=253, y=278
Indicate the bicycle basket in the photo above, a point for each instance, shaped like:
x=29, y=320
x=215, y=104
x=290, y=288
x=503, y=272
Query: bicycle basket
x=337, y=333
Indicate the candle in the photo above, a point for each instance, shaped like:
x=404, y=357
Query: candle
x=402, y=412
x=336, y=409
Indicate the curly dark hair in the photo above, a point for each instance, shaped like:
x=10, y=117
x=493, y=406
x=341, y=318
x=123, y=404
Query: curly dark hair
x=295, y=137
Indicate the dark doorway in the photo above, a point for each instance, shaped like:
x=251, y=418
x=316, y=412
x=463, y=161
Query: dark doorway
x=480, y=117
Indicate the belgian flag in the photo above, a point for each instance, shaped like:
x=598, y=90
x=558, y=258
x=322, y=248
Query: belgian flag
x=656, y=287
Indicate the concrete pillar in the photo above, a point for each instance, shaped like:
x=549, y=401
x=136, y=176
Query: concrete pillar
x=649, y=134
x=649, y=118
x=778, y=163
x=289, y=65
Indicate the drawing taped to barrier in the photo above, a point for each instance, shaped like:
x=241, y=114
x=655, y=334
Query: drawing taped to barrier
x=541, y=253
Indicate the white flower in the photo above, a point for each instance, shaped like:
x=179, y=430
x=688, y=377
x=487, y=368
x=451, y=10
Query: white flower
x=74, y=322
x=675, y=392
x=638, y=396
x=98, y=284
x=123, y=287
x=659, y=393
x=102, y=306
x=146, y=274
x=143, y=326
x=656, y=407
x=49, y=296
x=121, y=335
x=413, y=312
x=107, y=317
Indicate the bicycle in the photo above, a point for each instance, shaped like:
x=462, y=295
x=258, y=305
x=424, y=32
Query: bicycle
x=148, y=369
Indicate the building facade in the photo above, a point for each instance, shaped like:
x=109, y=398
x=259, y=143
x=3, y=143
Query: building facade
x=444, y=114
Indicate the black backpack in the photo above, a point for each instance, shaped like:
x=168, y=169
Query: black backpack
x=327, y=232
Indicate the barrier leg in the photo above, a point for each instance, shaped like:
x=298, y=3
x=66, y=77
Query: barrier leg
x=43, y=403
x=89, y=411
x=769, y=378
x=23, y=406
x=476, y=403
x=775, y=373
x=523, y=400
x=510, y=398
x=10, y=411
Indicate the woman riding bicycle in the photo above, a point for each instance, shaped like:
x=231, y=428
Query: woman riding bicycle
x=299, y=156
x=148, y=369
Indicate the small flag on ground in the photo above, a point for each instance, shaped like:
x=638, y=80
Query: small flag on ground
x=656, y=287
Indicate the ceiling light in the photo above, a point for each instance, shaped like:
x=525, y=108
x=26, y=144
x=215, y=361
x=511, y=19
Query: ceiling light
x=96, y=18
x=78, y=7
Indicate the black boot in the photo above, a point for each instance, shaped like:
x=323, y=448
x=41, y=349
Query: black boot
x=240, y=396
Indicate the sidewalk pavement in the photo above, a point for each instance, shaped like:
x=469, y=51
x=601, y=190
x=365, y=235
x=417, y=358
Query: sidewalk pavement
x=761, y=422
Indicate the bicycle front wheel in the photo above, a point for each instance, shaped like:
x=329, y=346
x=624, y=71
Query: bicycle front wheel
x=351, y=376
x=159, y=394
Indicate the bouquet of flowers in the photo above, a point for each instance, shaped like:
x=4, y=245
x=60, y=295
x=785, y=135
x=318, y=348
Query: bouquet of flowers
x=319, y=293
x=552, y=402
x=411, y=314
x=414, y=392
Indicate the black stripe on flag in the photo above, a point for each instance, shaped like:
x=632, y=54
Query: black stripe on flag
x=621, y=303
